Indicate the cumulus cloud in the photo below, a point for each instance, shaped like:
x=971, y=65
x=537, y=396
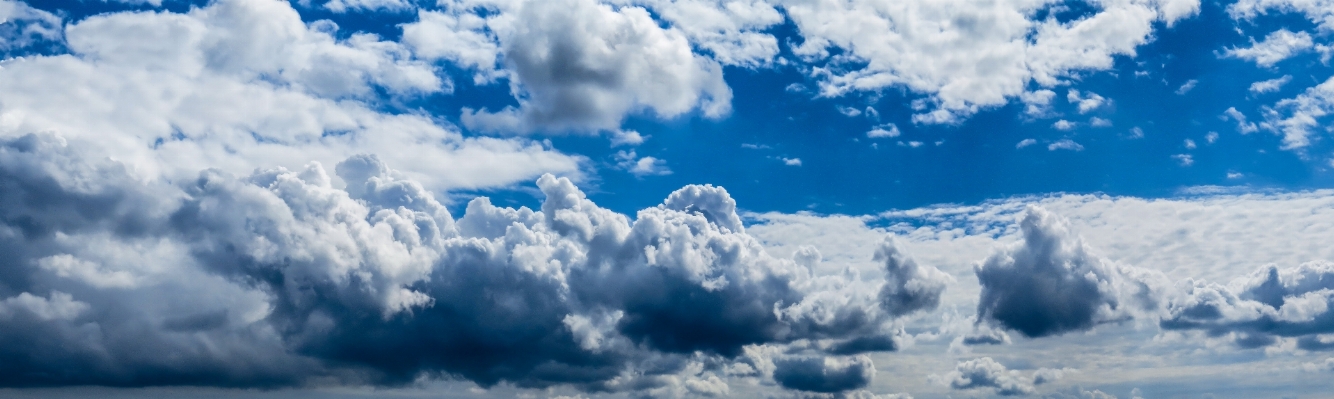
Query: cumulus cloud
x=22, y=26
x=1277, y=46
x=1065, y=144
x=1051, y=282
x=244, y=84
x=909, y=287
x=572, y=64
x=983, y=373
x=278, y=278
x=1252, y=311
x=828, y=374
x=933, y=47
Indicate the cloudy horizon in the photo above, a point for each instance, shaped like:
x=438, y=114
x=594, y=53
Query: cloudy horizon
x=666, y=198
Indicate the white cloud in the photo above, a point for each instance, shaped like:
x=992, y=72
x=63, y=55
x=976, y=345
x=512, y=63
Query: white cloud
x=1211, y=137
x=626, y=137
x=1063, y=125
x=1085, y=102
x=1277, y=46
x=1190, y=144
x=1037, y=103
x=1271, y=85
x=1184, y=159
x=1294, y=118
x=933, y=47
x=1243, y=126
x=573, y=65
x=730, y=31
x=1065, y=144
x=1187, y=87
x=1319, y=11
x=243, y=84
x=849, y=111
x=791, y=161
x=885, y=130
x=640, y=167
x=26, y=25
x=1025, y=143
x=1099, y=122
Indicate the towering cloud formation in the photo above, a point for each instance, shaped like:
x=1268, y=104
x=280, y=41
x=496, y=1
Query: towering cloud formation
x=279, y=278
x=1052, y=283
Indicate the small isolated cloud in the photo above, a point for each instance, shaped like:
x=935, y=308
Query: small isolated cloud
x=1037, y=104
x=1086, y=101
x=1189, y=144
x=1099, y=122
x=1187, y=87
x=1275, y=47
x=1243, y=126
x=640, y=167
x=753, y=146
x=1051, y=283
x=1065, y=144
x=883, y=131
x=1184, y=159
x=1063, y=125
x=1235, y=175
x=626, y=137
x=986, y=373
x=1271, y=85
x=1211, y=137
x=1136, y=133
x=911, y=144
x=849, y=111
x=824, y=374
x=1025, y=143
x=791, y=161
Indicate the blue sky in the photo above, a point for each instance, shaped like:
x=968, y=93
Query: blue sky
x=666, y=198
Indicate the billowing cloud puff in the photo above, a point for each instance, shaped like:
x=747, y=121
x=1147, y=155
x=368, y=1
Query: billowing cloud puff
x=1254, y=311
x=987, y=373
x=1052, y=283
x=573, y=64
x=908, y=287
x=936, y=47
x=824, y=374
x=278, y=278
x=244, y=84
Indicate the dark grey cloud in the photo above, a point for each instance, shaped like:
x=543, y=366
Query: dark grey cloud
x=824, y=374
x=279, y=278
x=1256, y=310
x=1051, y=283
x=908, y=287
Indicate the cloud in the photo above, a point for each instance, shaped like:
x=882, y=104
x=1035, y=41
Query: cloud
x=908, y=287
x=1316, y=11
x=1025, y=143
x=1187, y=87
x=926, y=47
x=886, y=130
x=278, y=278
x=1063, y=125
x=1270, y=86
x=1294, y=118
x=641, y=166
x=828, y=374
x=1051, y=283
x=1277, y=46
x=1086, y=102
x=1253, y=310
x=245, y=84
x=574, y=65
x=25, y=26
x=987, y=373
x=1243, y=126
x=1065, y=144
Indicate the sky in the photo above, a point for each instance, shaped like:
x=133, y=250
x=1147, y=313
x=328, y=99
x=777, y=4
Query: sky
x=1127, y=199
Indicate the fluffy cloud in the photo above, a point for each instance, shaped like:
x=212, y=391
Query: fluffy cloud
x=1253, y=311
x=573, y=64
x=1295, y=118
x=934, y=47
x=1276, y=47
x=987, y=373
x=1052, y=283
x=824, y=374
x=22, y=26
x=243, y=84
x=278, y=278
x=908, y=287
